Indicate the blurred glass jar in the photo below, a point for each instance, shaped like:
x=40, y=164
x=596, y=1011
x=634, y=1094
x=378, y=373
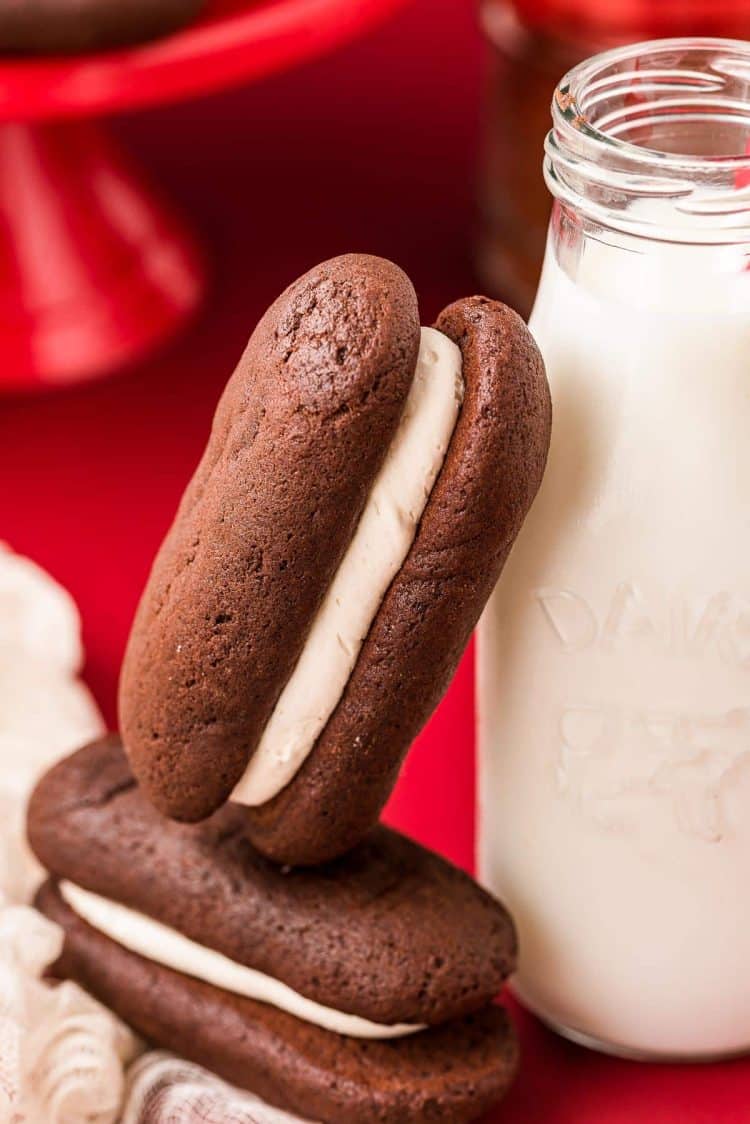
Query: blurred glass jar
x=533, y=42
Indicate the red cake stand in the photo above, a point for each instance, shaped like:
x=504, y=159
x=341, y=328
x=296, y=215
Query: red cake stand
x=95, y=270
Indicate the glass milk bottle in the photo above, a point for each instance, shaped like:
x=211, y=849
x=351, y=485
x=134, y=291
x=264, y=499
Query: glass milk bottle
x=614, y=657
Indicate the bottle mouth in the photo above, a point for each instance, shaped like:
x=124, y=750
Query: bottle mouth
x=654, y=138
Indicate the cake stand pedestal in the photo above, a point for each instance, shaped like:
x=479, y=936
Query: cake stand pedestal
x=95, y=268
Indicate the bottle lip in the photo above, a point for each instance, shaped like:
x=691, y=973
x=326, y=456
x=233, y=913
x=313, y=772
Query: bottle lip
x=607, y=111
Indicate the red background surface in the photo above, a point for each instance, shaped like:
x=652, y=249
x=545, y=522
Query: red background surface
x=371, y=149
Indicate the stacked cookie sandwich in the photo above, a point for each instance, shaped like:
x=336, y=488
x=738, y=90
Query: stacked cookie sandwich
x=220, y=874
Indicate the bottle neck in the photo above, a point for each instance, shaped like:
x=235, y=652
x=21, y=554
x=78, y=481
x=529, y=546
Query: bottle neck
x=652, y=142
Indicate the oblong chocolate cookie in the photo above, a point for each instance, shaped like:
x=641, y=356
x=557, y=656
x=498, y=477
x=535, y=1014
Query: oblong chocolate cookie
x=491, y=473
x=327, y=566
x=390, y=933
x=299, y=435
x=451, y=1073
x=52, y=26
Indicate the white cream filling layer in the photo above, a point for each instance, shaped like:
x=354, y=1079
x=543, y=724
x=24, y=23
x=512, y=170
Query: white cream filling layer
x=383, y=538
x=154, y=941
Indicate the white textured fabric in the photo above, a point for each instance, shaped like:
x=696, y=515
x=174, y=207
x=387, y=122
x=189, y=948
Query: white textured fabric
x=163, y=1089
x=61, y=1053
x=45, y=710
x=38, y=618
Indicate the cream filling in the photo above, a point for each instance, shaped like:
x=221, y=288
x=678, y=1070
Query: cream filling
x=384, y=535
x=156, y=942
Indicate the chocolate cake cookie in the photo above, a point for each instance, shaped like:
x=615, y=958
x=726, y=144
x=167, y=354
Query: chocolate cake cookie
x=68, y=26
x=362, y=486
x=358, y=935
x=357, y=993
x=451, y=1073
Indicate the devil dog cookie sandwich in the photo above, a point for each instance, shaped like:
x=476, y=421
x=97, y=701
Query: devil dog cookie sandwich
x=52, y=26
x=356, y=993
x=362, y=486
